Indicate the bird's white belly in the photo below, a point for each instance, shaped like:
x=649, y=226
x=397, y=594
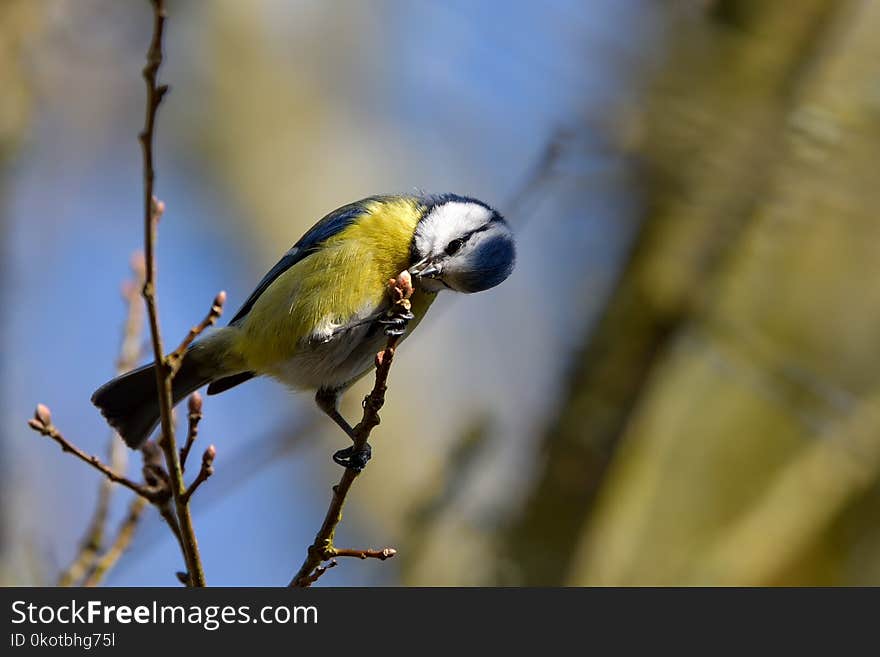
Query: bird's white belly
x=335, y=363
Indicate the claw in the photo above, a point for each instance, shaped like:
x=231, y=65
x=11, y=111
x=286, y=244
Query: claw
x=398, y=319
x=395, y=325
x=352, y=458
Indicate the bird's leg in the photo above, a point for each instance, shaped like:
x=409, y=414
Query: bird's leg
x=395, y=322
x=327, y=401
x=348, y=457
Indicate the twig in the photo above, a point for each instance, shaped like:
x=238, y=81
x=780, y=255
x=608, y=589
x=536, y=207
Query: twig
x=155, y=475
x=381, y=555
x=205, y=471
x=153, y=209
x=119, y=545
x=250, y=458
x=161, y=485
x=129, y=352
x=170, y=519
x=320, y=570
x=194, y=408
x=323, y=549
x=175, y=358
x=42, y=423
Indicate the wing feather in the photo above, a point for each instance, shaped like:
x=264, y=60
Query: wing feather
x=330, y=225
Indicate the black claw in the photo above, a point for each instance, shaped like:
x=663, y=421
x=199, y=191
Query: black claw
x=395, y=324
x=394, y=317
x=352, y=458
x=397, y=318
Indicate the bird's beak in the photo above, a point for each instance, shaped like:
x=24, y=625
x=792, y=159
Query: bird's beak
x=424, y=269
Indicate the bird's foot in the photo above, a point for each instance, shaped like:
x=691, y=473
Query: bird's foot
x=354, y=458
x=395, y=324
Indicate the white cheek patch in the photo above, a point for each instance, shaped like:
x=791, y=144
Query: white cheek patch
x=447, y=222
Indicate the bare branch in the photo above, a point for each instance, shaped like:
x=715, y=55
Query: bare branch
x=320, y=570
x=162, y=486
x=42, y=423
x=153, y=210
x=323, y=549
x=156, y=475
x=381, y=555
x=175, y=358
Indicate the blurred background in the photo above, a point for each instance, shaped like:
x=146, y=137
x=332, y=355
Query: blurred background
x=678, y=384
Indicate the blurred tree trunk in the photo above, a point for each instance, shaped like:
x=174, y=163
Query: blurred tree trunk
x=719, y=351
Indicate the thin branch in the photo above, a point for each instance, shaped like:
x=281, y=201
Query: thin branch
x=153, y=210
x=120, y=544
x=170, y=519
x=323, y=549
x=42, y=423
x=175, y=358
x=251, y=458
x=155, y=475
x=161, y=485
x=194, y=408
x=320, y=570
x=205, y=471
x=381, y=555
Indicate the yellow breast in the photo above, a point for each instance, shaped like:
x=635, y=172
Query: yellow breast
x=345, y=279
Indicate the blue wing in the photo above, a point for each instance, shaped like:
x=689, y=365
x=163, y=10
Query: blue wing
x=333, y=223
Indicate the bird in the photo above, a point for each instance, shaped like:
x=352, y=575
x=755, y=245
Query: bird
x=319, y=316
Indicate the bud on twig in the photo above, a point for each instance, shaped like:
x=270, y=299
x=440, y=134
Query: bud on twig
x=194, y=405
x=43, y=415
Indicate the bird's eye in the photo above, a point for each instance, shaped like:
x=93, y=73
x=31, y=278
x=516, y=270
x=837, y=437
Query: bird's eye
x=454, y=246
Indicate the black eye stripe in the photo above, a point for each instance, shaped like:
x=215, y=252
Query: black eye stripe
x=458, y=242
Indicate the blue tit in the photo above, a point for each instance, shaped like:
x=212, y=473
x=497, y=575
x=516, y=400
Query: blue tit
x=315, y=321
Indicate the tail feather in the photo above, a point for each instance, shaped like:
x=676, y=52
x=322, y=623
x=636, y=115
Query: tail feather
x=130, y=402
